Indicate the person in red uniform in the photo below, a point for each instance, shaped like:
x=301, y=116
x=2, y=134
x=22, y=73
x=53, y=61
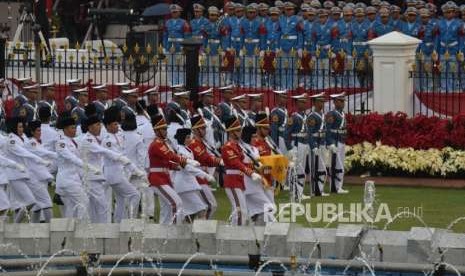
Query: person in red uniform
x=234, y=186
x=163, y=159
x=265, y=145
x=202, y=154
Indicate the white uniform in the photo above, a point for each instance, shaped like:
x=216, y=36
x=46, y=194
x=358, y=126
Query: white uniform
x=69, y=183
x=114, y=172
x=135, y=150
x=186, y=185
x=40, y=177
x=21, y=194
x=171, y=131
x=92, y=152
x=255, y=194
x=144, y=126
x=4, y=163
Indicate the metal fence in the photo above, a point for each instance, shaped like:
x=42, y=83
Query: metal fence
x=153, y=66
x=439, y=85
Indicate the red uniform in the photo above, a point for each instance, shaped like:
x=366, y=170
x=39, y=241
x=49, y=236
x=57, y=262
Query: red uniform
x=202, y=155
x=233, y=158
x=162, y=159
x=265, y=150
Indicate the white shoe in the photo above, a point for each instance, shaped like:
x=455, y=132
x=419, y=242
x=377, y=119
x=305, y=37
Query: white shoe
x=324, y=194
x=342, y=191
x=305, y=197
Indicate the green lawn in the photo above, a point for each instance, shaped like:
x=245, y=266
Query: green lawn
x=437, y=207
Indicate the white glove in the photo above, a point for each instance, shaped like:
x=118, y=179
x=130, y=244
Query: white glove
x=262, y=53
x=221, y=162
x=20, y=167
x=210, y=178
x=123, y=159
x=333, y=148
x=291, y=164
x=46, y=163
x=299, y=53
x=241, y=53
x=256, y=177
x=193, y=163
x=94, y=170
x=315, y=150
x=292, y=154
x=139, y=173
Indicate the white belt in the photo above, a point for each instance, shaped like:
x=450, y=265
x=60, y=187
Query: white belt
x=326, y=47
x=236, y=39
x=343, y=40
x=251, y=40
x=290, y=37
x=157, y=170
x=300, y=135
x=172, y=39
x=322, y=134
x=215, y=41
x=282, y=129
x=339, y=131
x=455, y=43
x=233, y=172
x=197, y=36
x=359, y=43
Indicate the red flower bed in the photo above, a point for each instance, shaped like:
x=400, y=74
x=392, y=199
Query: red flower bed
x=397, y=130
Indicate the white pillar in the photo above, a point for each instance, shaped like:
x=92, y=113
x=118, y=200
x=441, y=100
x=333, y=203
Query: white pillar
x=393, y=56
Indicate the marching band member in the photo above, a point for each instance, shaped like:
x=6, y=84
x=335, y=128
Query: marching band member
x=335, y=140
x=208, y=157
x=233, y=157
x=163, y=159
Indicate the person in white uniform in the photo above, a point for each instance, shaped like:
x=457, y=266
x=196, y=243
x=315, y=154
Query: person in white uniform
x=40, y=174
x=255, y=194
x=6, y=163
x=115, y=172
x=69, y=184
x=134, y=149
x=22, y=196
x=185, y=182
x=93, y=152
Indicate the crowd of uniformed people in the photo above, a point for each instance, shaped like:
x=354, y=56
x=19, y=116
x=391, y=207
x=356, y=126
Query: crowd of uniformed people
x=108, y=160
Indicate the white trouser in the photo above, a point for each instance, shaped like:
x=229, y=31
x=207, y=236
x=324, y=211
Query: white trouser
x=20, y=194
x=318, y=168
x=192, y=203
x=4, y=201
x=170, y=204
x=303, y=152
x=338, y=178
x=98, y=202
x=257, y=202
x=148, y=202
x=238, y=202
x=209, y=199
x=282, y=145
x=76, y=202
x=125, y=191
x=40, y=191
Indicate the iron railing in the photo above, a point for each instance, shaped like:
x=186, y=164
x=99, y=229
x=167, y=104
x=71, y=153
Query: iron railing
x=153, y=66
